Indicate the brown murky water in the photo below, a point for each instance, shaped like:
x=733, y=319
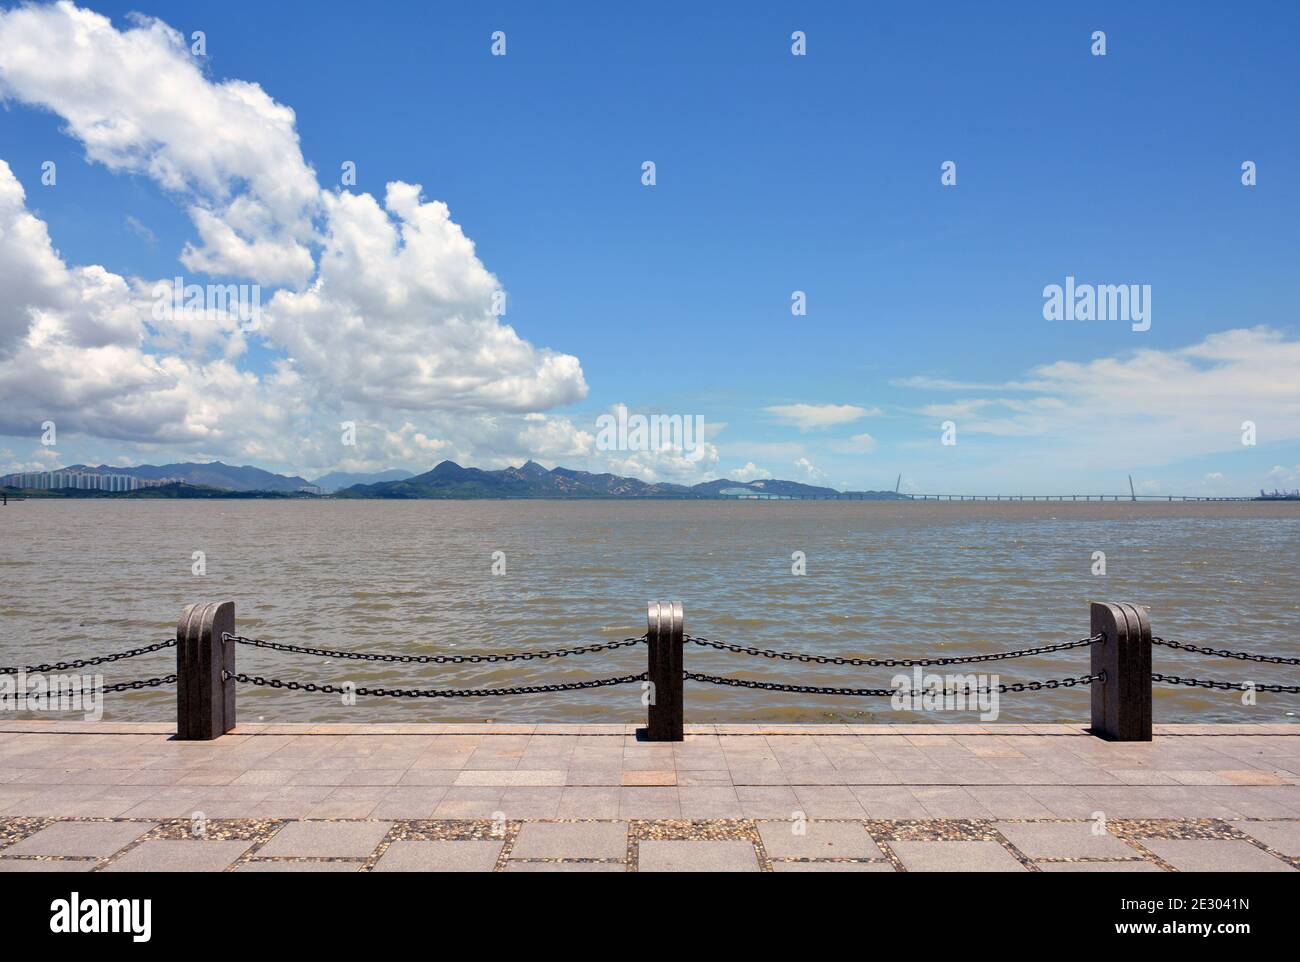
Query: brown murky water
x=91, y=577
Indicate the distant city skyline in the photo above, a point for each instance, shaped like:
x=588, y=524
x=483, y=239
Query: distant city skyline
x=78, y=480
x=971, y=249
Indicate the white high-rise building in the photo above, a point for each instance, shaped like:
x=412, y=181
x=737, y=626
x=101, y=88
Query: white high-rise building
x=80, y=480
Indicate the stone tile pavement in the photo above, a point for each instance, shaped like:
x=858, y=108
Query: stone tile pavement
x=677, y=845
x=117, y=797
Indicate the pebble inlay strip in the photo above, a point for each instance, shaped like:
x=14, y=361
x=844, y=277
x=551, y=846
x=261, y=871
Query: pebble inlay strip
x=1133, y=832
x=15, y=829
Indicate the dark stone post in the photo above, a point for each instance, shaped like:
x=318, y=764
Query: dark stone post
x=205, y=702
x=1121, y=705
x=664, y=640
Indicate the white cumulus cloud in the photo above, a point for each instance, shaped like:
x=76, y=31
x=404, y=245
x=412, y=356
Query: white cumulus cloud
x=383, y=312
x=750, y=472
x=1151, y=405
x=811, y=416
x=811, y=473
x=140, y=103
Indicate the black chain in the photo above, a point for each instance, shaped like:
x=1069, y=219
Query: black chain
x=432, y=692
x=888, y=692
x=141, y=683
x=1225, y=653
x=433, y=659
x=1224, y=685
x=892, y=662
x=87, y=662
x=136, y=685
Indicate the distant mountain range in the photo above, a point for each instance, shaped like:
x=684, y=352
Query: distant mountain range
x=450, y=481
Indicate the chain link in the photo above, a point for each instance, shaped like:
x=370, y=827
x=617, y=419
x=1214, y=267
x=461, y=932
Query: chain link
x=434, y=659
x=1224, y=685
x=1225, y=653
x=888, y=692
x=329, y=689
x=87, y=662
x=892, y=662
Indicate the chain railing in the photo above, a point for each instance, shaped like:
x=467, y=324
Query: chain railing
x=137, y=685
x=88, y=662
x=1224, y=652
x=1224, y=685
x=475, y=659
x=1053, y=683
x=432, y=692
x=1120, y=678
x=436, y=659
x=277, y=683
x=890, y=662
x=807, y=658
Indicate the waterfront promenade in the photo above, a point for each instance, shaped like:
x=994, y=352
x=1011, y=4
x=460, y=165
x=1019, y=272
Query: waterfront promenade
x=877, y=798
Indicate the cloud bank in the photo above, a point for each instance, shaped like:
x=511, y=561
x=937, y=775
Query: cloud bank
x=381, y=311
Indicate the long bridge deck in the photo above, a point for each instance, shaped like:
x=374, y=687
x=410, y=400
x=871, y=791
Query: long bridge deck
x=875, y=798
x=1083, y=497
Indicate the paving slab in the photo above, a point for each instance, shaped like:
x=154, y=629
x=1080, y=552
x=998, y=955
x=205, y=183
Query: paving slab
x=832, y=867
x=1281, y=836
x=531, y=803
x=1099, y=867
x=571, y=840
x=828, y=801
x=47, y=865
x=818, y=840
x=1063, y=840
x=889, y=801
x=649, y=803
x=689, y=856
x=291, y=866
x=1005, y=801
x=1214, y=855
x=178, y=855
x=326, y=839
x=408, y=802
x=514, y=866
x=502, y=778
x=83, y=839
x=955, y=856
x=710, y=801
x=473, y=855
x=648, y=777
x=581, y=802
x=767, y=801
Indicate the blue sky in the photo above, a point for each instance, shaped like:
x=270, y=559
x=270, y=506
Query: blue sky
x=775, y=173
